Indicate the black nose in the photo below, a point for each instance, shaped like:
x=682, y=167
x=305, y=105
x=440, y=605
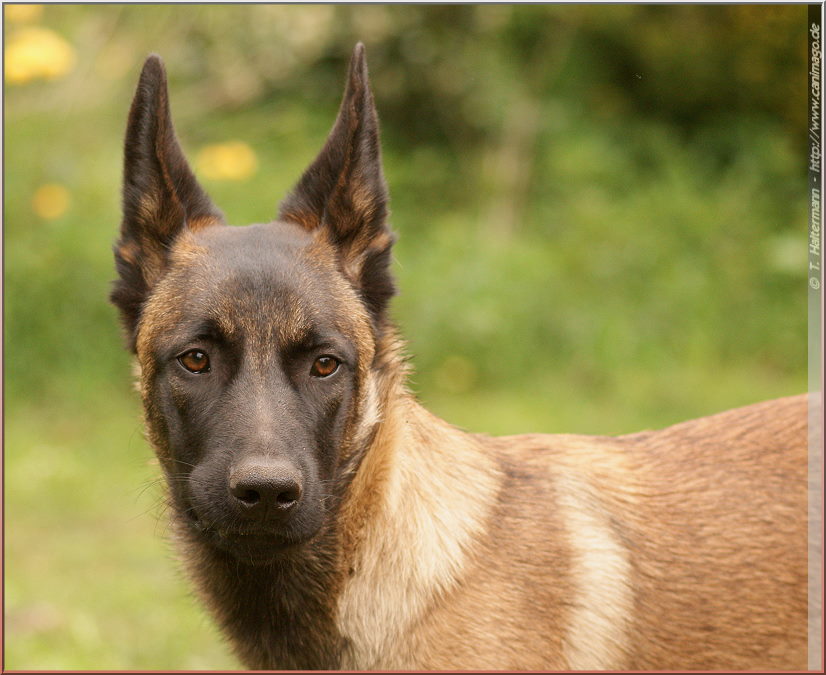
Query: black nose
x=266, y=488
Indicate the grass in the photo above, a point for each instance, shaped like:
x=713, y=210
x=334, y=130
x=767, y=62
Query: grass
x=91, y=582
x=642, y=275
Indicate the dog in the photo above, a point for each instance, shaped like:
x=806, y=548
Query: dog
x=329, y=521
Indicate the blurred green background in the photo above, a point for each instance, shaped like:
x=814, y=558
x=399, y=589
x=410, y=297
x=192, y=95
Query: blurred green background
x=602, y=222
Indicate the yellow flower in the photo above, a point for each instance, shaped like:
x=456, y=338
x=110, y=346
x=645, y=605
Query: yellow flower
x=22, y=13
x=233, y=160
x=50, y=201
x=36, y=52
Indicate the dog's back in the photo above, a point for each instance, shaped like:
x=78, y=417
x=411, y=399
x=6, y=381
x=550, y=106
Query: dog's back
x=683, y=548
x=718, y=541
x=680, y=548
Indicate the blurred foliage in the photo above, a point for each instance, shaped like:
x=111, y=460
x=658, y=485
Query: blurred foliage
x=601, y=214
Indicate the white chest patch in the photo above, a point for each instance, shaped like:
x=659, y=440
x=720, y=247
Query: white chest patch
x=414, y=549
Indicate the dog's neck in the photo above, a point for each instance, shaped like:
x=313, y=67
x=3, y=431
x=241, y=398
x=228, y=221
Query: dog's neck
x=390, y=501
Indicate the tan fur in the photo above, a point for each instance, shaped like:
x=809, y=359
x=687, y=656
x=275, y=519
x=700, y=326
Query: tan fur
x=436, y=518
x=683, y=548
x=200, y=222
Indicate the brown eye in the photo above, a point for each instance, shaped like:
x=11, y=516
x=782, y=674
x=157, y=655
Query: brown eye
x=324, y=366
x=195, y=361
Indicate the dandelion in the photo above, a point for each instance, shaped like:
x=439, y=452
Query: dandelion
x=51, y=201
x=34, y=52
x=233, y=160
x=22, y=13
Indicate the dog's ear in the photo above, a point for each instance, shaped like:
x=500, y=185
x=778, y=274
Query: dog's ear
x=343, y=192
x=160, y=195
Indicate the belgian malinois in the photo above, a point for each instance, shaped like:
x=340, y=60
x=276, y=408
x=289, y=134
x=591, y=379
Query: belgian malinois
x=329, y=521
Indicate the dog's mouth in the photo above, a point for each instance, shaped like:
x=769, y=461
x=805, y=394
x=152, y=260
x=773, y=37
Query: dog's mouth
x=256, y=547
x=251, y=545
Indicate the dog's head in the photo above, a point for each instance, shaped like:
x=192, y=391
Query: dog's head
x=255, y=343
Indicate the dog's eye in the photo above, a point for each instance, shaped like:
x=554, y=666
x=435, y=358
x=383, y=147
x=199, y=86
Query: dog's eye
x=195, y=361
x=324, y=366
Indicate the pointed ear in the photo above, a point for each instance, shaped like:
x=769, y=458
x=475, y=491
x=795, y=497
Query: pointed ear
x=344, y=193
x=160, y=195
